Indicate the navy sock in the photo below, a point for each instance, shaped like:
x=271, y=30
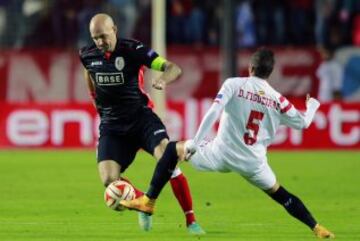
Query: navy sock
x=294, y=206
x=163, y=171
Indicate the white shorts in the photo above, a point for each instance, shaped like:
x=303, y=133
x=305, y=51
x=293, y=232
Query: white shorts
x=205, y=159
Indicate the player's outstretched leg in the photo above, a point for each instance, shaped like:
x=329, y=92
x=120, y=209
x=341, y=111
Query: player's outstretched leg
x=163, y=171
x=296, y=208
x=182, y=193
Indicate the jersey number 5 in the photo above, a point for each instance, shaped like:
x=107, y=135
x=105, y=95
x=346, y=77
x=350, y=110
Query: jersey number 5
x=252, y=126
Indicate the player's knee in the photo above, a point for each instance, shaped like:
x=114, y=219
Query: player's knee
x=180, y=150
x=160, y=149
x=172, y=149
x=273, y=189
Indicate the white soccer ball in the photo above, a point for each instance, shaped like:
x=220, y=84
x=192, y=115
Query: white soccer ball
x=117, y=191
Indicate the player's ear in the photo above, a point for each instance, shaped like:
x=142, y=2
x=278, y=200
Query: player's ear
x=115, y=29
x=251, y=69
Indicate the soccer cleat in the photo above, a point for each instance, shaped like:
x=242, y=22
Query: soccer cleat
x=145, y=221
x=322, y=232
x=143, y=204
x=195, y=229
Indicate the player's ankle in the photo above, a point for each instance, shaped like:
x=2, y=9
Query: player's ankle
x=190, y=218
x=316, y=226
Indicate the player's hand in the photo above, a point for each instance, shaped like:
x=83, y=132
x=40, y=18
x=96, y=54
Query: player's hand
x=190, y=149
x=311, y=101
x=158, y=84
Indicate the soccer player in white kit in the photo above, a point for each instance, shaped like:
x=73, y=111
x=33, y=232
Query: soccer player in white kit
x=251, y=112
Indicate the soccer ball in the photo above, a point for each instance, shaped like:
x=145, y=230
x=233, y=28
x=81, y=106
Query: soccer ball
x=117, y=191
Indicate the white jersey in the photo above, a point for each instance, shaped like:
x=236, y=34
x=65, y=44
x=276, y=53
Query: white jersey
x=253, y=111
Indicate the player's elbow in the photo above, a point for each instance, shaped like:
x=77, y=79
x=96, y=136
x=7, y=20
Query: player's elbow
x=300, y=124
x=305, y=123
x=178, y=71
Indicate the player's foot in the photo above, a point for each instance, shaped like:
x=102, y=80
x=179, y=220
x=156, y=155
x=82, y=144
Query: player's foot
x=322, y=232
x=145, y=221
x=143, y=204
x=195, y=229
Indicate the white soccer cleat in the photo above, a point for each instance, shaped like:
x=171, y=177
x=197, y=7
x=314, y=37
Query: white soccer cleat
x=195, y=229
x=145, y=221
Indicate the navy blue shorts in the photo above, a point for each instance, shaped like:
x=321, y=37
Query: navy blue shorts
x=146, y=133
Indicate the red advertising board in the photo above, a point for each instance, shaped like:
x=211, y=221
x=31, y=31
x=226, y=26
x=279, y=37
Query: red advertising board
x=34, y=82
x=48, y=76
x=336, y=125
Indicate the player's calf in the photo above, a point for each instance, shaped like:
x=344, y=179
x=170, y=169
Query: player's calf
x=181, y=151
x=297, y=209
x=294, y=206
x=163, y=171
x=109, y=171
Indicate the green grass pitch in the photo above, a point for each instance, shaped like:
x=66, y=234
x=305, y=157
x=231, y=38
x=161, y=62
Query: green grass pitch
x=57, y=195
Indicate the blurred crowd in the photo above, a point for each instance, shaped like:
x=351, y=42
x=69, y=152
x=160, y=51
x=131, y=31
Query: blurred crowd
x=64, y=23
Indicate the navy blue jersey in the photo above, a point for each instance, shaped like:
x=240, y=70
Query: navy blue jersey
x=118, y=78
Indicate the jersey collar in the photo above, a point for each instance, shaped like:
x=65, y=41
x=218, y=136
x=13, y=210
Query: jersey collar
x=107, y=55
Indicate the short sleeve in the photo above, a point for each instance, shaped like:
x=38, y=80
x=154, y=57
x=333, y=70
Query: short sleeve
x=144, y=55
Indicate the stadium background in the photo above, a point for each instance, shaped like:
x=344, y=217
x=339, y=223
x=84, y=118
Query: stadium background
x=46, y=110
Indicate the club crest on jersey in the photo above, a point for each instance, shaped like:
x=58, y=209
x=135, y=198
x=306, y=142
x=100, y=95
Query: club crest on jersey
x=261, y=92
x=119, y=63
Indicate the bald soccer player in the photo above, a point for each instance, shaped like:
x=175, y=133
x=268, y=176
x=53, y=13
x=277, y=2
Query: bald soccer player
x=114, y=75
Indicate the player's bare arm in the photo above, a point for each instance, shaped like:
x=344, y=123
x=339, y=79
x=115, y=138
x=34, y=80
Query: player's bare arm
x=171, y=72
